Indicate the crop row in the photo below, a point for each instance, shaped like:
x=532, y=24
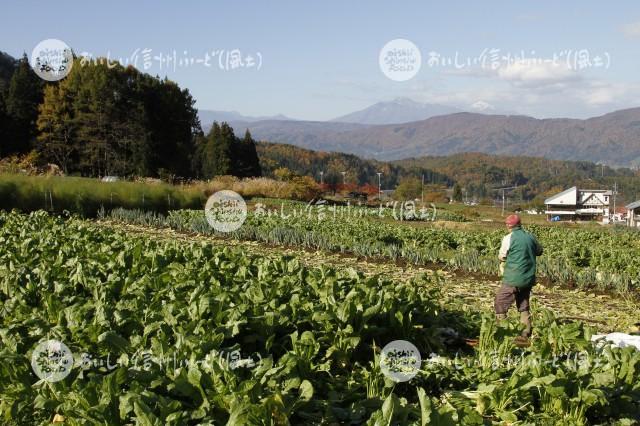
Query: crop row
x=585, y=258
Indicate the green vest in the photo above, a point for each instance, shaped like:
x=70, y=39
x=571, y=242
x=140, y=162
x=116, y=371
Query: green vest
x=520, y=266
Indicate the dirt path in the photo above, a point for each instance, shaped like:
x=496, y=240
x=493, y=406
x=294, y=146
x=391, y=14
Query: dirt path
x=605, y=312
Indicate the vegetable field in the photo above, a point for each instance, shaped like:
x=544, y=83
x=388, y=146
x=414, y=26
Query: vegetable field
x=156, y=321
x=602, y=260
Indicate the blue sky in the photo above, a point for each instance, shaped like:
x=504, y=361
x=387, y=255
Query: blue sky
x=320, y=59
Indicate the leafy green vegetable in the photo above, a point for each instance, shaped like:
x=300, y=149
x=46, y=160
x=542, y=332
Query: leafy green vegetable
x=184, y=332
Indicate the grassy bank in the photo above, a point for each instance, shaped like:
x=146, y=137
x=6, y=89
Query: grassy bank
x=87, y=196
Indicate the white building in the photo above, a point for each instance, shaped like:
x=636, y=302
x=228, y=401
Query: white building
x=633, y=214
x=579, y=204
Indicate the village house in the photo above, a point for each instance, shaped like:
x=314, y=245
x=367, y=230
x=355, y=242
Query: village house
x=633, y=214
x=579, y=204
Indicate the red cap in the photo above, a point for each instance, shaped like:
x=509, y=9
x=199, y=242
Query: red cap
x=512, y=220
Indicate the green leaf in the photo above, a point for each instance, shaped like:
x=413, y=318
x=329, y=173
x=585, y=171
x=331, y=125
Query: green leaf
x=144, y=416
x=306, y=390
x=425, y=407
x=114, y=341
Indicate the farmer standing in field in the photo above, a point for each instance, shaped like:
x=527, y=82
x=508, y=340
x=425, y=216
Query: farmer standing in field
x=518, y=252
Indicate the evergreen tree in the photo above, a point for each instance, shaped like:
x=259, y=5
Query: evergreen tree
x=225, y=154
x=222, y=146
x=211, y=152
x=94, y=116
x=112, y=120
x=245, y=157
x=173, y=125
x=21, y=102
x=56, y=128
x=5, y=123
x=457, y=192
x=7, y=67
x=199, y=154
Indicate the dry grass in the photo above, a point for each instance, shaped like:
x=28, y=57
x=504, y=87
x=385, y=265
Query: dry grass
x=297, y=188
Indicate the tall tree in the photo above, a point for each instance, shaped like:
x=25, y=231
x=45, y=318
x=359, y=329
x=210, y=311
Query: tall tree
x=225, y=154
x=409, y=188
x=5, y=124
x=22, y=99
x=115, y=120
x=211, y=152
x=198, y=159
x=173, y=123
x=94, y=103
x=56, y=128
x=7, y=67
x=245, y=157
x=221, y=149
x=457, y=192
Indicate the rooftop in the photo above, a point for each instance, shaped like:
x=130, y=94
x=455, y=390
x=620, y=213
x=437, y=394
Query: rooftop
x=633, y=205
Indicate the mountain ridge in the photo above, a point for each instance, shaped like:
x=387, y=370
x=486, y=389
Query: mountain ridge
x=396, y=111
x=612, y=138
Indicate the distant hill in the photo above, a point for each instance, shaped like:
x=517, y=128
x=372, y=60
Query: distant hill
x=207, y=117
x=400, y=110
x=479, y=174
x=359, y=171
x=613, y=138
x=306, y=134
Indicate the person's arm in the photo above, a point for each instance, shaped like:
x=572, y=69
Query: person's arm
x=539, y=249
x=504, y=248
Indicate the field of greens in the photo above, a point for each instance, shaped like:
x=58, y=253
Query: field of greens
x=599, y=259
x=155, y=319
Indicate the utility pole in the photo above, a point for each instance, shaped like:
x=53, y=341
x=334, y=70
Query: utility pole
x=321, y=175
x=344, y=178
x=615, y=191
x=379, y=185
x=422, y=190
x=503, y=195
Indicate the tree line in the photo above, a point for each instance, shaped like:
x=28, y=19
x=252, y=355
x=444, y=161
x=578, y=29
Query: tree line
x=357, y=171
x=479, y=176
x=106, y=119
x=469, y=176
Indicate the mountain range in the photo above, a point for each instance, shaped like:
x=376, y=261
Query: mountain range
x=399, y=110
x=396, y=111
x=612, y=139
x=207, y=117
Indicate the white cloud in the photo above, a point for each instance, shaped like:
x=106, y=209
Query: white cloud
x=599, y=93
x=538, y=89
x=479, y=72
x=525, y=72
x=536, y=73
x=581, y=99
x=482, y=106
x=632, y=29
x=493, y=100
